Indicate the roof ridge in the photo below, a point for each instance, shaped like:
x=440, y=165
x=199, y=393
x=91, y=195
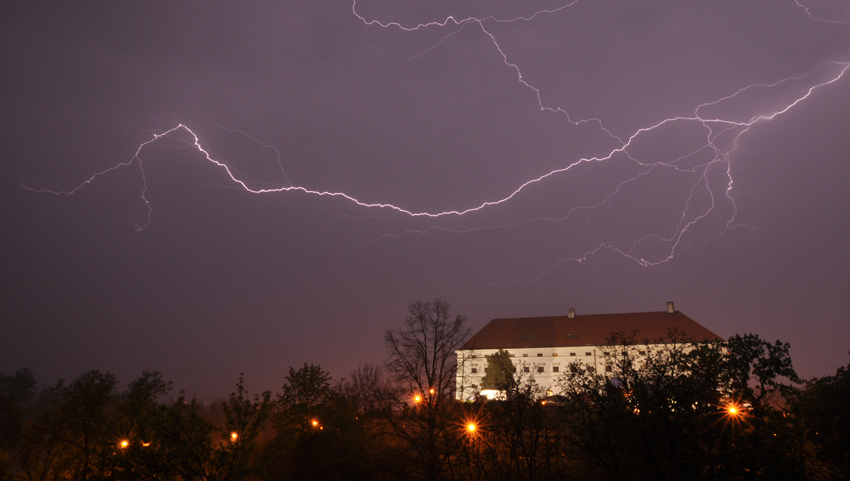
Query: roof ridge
x=566, y=331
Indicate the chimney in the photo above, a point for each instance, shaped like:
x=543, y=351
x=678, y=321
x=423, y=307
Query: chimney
x=572, y=313
x=670, y=308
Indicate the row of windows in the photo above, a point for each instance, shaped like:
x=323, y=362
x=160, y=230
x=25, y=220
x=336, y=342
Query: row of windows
x=573, y=354
x=542, y=369
x=555, y=354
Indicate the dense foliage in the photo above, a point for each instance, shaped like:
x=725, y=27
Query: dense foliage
x=712, y=411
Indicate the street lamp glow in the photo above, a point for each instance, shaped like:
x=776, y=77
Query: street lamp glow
x=733, y=410
x=315, y=423
x=417, y=398
x=125, y=443
x=470, y=427
x=431, y=391
x=233, y=436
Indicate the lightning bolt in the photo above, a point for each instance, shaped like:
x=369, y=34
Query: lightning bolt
x=709, y=161
x=817, y=18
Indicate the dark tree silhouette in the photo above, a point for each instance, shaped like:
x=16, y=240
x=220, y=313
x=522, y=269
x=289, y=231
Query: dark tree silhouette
x=500, y=372
x=421, y=358
x=824, y=411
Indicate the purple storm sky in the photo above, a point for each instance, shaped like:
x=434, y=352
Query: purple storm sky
x=606, y=156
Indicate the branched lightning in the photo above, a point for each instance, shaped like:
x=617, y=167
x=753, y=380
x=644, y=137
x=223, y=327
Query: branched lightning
x=452, y=20
x=814, y=17
x=723, y=134
x=251, y=137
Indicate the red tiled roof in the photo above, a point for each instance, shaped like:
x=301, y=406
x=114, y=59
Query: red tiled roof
x=594, y=329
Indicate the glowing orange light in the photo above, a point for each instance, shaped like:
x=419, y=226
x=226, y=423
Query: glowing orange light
x=417, y=398
x=431, y=391
x=470, y=427
x=315, y=423
x=233, y=436
x=732, y=410
x=146, y=444
x=125, y=443
x=543, y=403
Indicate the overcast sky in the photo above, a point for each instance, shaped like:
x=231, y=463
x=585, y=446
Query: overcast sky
x=527, y=157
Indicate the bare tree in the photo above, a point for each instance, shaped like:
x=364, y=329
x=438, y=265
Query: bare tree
x=421, y=355
x=421, y=359
x=366, y=389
